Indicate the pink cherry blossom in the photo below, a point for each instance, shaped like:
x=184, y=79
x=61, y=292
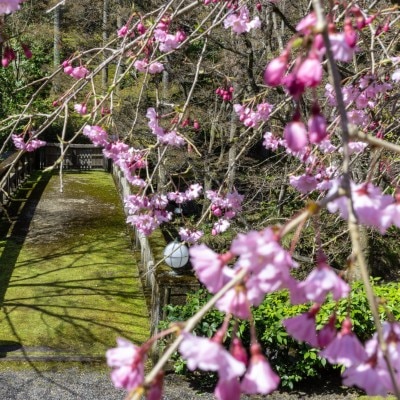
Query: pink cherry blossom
x=122, y=31
x=209, y=267
x=259, y=377
x=275, y=70
x=270, y=141
x=307, y=24
x=309, y=73
x=340, y=48
x=128, y=363
x=302, y=327
x=190, y=236
x=345, y=349
x=208, y=355
x=317, y=127
x=321, y=281
x=96, y=134
x=140, y=65
x=80, y=108
x=9, y=6
x=367, y=377
x=328, y=333
x=235, y=302
x=227, y=389
x=34, y=144
x=368, y=203
x=303, y=183
x=155, y=67
x=79, y=72
x=295, y=135
x=240, y=22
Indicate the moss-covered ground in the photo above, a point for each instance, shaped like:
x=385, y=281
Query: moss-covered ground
x=68, y=279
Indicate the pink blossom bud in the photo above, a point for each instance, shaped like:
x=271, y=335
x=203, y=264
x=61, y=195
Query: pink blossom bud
x=122, y=31
x=79, y=72
x=196, y=125
x=5, y=62
x=65, y=63
x=309, y=72
x=295, y=134
x=185, y=122
x=27, y=51
x=317, y=126
x=180, y=36
x=259, y=6
x=275, y=71
x=141, y=28
x=68, y=69
x=350, y=35
x=238, y=351
x=9, y=53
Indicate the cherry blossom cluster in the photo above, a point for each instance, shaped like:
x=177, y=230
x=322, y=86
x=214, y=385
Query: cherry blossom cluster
x=372, y=207
x=130, y=160
x=166, y=41
x=253, y=118
x=29, y=146
x=224, y=207
x=152, y=68
x=226, y=94
x=170, y=138
x=240, y=22
x=147, y=213
x=9, y=6
x=78, y=72
x=360, y=98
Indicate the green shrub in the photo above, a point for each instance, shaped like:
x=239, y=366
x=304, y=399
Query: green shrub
x=293, y=361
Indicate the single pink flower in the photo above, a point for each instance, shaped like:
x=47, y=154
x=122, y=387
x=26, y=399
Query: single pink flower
x=96, y=134
x=208, y=355
x=275, y=70
x=368, y=378
x=259, y=378
x=309, y=73
x=155, y=67
x=302, y=327
x=345, y=349
x=122, y=31
x=328, y=333
x=209, y=267
x=81, y=108
x=227, y=389
x=79, y=72
x=128, y=363
x=307, y=24
x=317, y=127
x=295, y=134
x=321, y=281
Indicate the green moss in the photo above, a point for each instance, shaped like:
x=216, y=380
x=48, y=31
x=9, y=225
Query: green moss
x=71, y=283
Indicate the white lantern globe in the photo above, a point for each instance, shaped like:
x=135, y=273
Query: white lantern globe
x=176, y=255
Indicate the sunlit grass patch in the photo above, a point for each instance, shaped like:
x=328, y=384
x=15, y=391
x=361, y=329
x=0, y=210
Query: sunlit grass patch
x=69, y=283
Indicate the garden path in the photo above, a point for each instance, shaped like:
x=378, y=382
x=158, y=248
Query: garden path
x=69, y=281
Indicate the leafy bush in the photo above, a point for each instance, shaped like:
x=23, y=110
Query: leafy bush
x=292, y=360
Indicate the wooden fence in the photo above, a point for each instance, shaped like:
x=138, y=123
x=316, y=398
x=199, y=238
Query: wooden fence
x=13, y=172
x=77, y=156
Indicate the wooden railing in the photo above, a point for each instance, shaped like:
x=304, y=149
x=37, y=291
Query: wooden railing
x=13, y=172
x=76, y=156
